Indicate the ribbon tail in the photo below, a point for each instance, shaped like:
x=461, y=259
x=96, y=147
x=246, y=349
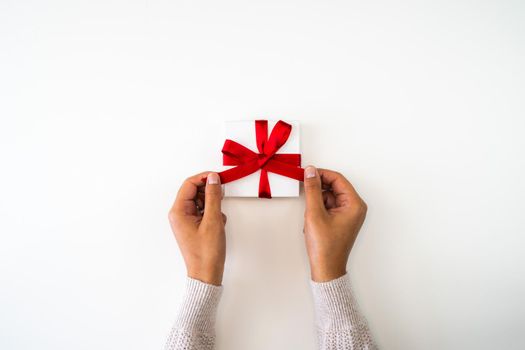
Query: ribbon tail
x=264, y=185
x=284, y=169
x=238, y=172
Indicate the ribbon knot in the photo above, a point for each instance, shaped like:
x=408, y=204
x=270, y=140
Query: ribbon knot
x=263, y=159
x=267, y=160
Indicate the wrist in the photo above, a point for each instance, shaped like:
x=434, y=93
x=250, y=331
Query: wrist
x=326, y=274
x=207, y=275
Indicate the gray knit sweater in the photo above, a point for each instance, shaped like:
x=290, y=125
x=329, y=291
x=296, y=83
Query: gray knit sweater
x=340, y=325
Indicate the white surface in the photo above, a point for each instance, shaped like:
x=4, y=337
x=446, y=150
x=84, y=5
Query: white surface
x=243, y=132
x=106, y=106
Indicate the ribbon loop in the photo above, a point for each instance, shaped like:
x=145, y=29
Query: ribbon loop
x=267, y=160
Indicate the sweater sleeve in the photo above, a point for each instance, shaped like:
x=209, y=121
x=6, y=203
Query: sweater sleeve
x=194, y=328
x=340, y=324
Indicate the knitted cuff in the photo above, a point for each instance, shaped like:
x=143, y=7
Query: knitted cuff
x=197, y=312
x=335, y=305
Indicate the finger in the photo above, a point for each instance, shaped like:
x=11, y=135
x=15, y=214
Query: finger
x=199, y=202
x=345, y=194
x=212, y=198
x=185, y=200
x=313, y=191
x=329, y=200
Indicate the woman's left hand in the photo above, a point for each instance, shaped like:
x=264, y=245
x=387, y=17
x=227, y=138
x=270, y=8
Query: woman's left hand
x=198, y=225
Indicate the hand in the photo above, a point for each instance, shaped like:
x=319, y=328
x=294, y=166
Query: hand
x=198, y=224
x=333, y=219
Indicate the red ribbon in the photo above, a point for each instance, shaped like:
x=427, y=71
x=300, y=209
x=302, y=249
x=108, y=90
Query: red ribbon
x=248, y=162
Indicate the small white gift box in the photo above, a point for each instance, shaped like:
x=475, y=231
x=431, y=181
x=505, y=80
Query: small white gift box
x=243, y=132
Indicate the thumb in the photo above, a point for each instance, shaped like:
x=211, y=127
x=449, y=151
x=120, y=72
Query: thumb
x=313, y=191
x=212, y=198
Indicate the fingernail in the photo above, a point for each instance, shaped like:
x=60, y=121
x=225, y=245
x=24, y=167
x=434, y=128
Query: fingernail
x=213, y=179
x=309, y=172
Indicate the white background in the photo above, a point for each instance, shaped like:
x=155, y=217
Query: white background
x=106, y=106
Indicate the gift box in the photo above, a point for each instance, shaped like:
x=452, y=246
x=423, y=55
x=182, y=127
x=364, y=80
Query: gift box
x=262, y=159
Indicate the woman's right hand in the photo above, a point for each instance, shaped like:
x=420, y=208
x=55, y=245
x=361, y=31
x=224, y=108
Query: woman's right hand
x=333, y=217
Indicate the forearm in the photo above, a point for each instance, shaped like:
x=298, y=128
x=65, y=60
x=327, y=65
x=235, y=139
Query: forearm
x=340, y=324
x=194, y=328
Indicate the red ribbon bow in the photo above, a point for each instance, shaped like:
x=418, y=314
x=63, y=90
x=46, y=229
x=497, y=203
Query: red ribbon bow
x=248, y=162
